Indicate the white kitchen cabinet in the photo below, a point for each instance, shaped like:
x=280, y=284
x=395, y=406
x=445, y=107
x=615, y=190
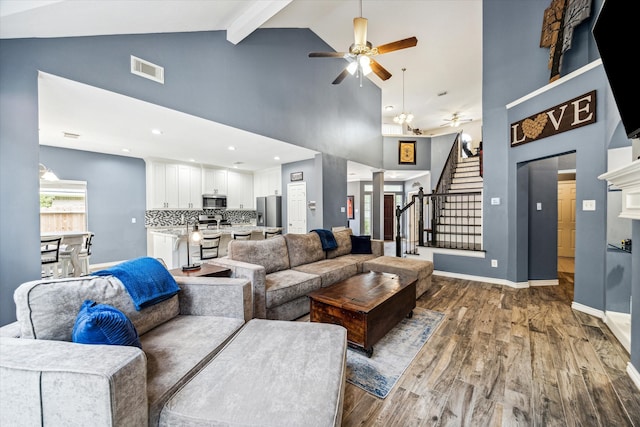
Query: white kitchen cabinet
x=214, y=181
x=173, y=186
x=162, y=186
x=240, y=190
x=190, y=187
x=267, y=182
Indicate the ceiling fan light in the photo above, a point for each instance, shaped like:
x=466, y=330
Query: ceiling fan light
x=351, y=68
x=409, y=118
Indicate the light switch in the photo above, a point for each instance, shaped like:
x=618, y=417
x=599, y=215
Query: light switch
x=133, y=220
x=342, y=209
x=495, y=200
x=538, y=206
x=588, y=205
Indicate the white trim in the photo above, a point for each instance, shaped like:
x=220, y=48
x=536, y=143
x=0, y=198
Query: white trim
x=550, y=282
x=620, y=326
x=586, y=309
x=556, y=83
x=518, y=285
x=633, y=374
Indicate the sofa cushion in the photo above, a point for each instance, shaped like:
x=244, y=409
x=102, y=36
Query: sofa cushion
x=47, y=309
x=103, y=324
x=304, y=248
x=361, y=245
x=272, y=253
x=343, y=237
x=179, y=349
x=330, y=270
x=358, y=259
x=288, y=285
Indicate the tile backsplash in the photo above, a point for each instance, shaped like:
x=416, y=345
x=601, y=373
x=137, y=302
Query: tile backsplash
x=172, y=218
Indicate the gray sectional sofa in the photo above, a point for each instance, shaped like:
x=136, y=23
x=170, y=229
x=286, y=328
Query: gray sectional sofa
x=202, y=361
x=284, y=269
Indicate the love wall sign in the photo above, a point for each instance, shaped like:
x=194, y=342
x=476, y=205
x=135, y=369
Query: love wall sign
x=578, y=112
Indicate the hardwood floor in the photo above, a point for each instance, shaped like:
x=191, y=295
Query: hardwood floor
x=510, y=357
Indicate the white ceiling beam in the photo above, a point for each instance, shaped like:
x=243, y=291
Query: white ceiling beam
x=253, y=17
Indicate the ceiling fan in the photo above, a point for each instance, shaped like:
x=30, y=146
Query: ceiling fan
x=455, y=120
x=361, y=53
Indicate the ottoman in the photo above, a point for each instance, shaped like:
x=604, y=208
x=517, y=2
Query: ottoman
x=407, y=269
x=271, y=373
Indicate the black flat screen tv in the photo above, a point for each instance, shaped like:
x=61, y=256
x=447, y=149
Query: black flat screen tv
x=618, y=39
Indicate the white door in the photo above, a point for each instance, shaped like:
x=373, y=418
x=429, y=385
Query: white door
x=297, y=208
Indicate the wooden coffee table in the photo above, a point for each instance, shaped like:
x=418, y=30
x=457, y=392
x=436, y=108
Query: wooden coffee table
x=205, y=270
x=368, y=305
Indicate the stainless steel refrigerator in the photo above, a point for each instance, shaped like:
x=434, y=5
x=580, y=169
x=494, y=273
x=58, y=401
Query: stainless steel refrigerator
x=269, y=210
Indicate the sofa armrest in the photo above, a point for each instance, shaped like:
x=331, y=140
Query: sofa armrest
x=215, y=296
x=64, y=383
x=377, y=247
x=12, y=330
x=258, y=277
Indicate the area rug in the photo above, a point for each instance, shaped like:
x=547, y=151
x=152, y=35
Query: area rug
x=392, y=354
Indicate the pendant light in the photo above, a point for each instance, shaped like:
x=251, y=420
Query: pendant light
x=403, y=117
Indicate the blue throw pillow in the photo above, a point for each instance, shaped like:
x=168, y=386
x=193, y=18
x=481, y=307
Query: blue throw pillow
x=361, y=244
x=103, y=324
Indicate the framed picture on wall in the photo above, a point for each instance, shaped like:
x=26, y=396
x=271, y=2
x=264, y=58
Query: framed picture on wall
x=407, y=152
x=296, y=176
x=350, y=211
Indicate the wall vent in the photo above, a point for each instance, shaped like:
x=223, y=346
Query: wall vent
x=147, y=70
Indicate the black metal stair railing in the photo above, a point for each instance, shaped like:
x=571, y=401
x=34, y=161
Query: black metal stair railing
x=456, y=220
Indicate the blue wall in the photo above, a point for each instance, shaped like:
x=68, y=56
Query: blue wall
x=115, y=194
x=543, y=223
x=281, y=92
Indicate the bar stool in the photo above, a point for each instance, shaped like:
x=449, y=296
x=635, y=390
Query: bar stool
x=209, y=247
x=50, y=257
x=269, y=234
x=83, y=256
x=242, y=236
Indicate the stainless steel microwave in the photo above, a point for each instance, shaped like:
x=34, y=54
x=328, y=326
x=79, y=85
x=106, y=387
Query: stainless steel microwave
x=214, y=201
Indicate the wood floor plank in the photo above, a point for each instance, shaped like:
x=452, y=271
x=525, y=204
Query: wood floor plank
x=609, y=409
x=611, y=360
x=629, y=395
x=578, y=407
x=518, y=376
x=546, y=401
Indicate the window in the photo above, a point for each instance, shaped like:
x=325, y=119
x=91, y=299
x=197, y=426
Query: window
x=366, y=229
x=63, y=206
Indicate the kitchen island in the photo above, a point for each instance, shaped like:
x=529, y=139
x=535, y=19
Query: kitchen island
x=169, y=243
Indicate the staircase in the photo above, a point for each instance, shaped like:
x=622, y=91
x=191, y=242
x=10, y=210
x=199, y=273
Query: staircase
x=457, y=212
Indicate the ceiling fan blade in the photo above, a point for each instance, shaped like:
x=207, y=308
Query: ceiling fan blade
x=397, y=45
x=379, y=70
x=328, y=55
x=340, y=77
x=360, y=31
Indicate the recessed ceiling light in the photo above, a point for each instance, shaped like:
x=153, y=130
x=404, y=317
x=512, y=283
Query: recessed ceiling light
x=231, y=148
x=156, y=131
x=389, y=108
x=192, y=160
x=235, y=166
x=125, y=150
x=276, y=158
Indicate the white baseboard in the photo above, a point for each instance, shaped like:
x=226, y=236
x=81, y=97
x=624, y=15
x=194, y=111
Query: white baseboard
x=518, y=285
x=620, y=326
x=586, y=309
x=550, y=282
x=634, y=374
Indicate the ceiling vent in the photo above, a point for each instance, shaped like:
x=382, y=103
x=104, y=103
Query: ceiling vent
x=71, y=135
x=147, y=70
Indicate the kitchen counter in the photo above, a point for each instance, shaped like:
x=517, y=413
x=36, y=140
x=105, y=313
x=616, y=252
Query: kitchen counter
x=169, y=243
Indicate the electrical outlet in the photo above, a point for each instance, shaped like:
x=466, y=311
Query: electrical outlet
x=133, y=220
x=494, y=263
